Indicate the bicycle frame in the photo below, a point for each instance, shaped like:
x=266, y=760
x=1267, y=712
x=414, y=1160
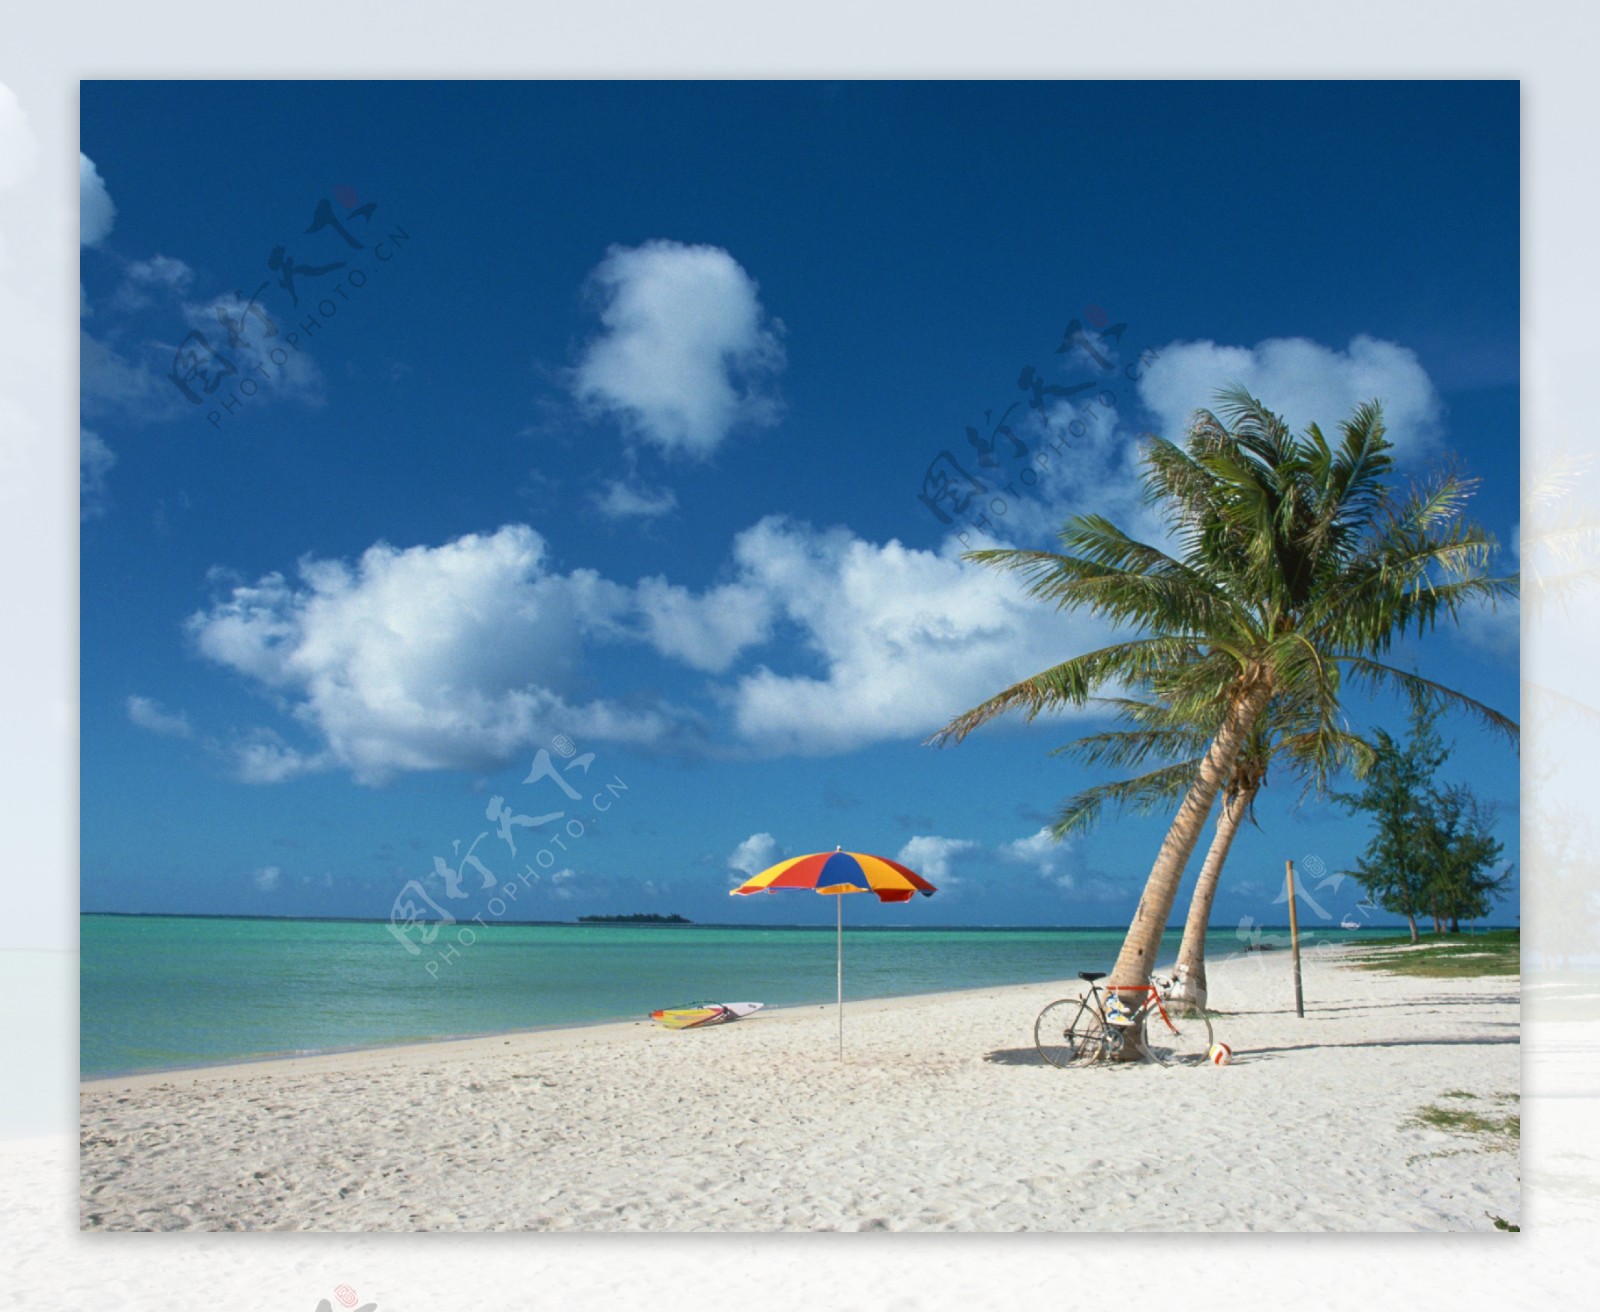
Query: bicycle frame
x=1140, y=1014
x=1103, y=1028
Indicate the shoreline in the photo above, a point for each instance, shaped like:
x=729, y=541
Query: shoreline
x=269, y=1059
x=235, y=1067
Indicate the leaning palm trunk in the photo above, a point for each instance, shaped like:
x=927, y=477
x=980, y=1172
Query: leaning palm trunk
x=1139, y=949
x=1190, y=989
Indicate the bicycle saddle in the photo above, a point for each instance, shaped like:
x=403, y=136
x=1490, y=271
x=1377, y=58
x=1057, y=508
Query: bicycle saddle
x=1091, y=975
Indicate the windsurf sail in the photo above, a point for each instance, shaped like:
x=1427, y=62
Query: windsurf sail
x=694, y=1015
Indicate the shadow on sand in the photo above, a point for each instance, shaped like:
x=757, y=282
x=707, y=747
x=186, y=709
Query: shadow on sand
x=1243, y=1057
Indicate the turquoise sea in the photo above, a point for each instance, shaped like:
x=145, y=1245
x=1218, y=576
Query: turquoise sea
x=166, y=991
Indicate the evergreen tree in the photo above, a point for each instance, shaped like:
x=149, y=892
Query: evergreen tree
x=1432, y=848
x=1463, y=849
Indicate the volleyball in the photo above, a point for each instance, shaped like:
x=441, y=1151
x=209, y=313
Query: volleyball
x=1221, y=1054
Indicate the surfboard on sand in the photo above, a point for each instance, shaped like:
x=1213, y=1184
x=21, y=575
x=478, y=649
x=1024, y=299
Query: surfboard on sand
x=695, y=1015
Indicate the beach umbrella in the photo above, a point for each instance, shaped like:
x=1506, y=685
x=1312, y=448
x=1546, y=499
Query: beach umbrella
x=835, y=874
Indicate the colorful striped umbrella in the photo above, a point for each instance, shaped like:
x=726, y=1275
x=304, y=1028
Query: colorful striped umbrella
x=835, y=874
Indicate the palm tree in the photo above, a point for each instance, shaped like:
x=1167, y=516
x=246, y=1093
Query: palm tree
x=1313, y=755
x=1296, y=567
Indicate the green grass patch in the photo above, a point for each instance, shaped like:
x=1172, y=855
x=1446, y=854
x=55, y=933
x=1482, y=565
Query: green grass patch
x=1456, y=1121
x=1443, y=956
x=1497, y=1133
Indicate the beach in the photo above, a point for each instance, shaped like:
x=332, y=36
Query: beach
x=941, y=1117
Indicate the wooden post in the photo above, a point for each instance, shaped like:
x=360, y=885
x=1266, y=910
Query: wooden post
x=1294, y=943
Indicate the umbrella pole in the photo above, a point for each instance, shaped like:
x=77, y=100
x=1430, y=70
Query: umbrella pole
x=838, y=961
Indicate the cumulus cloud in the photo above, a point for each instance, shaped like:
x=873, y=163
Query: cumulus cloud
x=264, y=758
x=150, y=714
x=686, y=353
x=705, y=630
x=1495, y=630
x=935, y=858
x=754, y=855
x=460, y=656
x=623, y=501
x=96, y=213
x=267, y=879
x=456, y=656
x=1041, y=851
x=194, y=372
x=145, y=280
x=110, y=381
x=905, y=638
x=241, y=334
x=1302, y=380
x=95, y=460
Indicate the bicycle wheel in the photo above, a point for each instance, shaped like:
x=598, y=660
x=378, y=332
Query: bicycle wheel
x=1069, y=1030
x=1178, y=1040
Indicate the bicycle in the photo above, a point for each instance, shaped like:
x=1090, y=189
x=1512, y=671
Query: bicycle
x=1097, y=1025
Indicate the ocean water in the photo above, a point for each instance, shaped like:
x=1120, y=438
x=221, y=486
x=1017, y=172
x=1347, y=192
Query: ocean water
x=158, y=992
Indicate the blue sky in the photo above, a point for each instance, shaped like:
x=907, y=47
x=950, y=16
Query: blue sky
x=613, y=441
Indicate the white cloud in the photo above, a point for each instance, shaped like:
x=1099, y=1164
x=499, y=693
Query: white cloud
x=265, y=759
x=19, y=148
x=1302, y=380
x=457, y=656
x=239, y=332
x=687, y=352
x=142, y=280
x=940, y=859
x=96, y=213
x=267, y=879
x=1041, y=851
x=705, y=630
x=151, y=715
x=188, y=373
x=95, y=460
x=934, y=858
x=462, y=655
x=1085, y=460
x=161, y=271
x=906, y=639
x=110, y=381
x=754, y=855
x=1495, y=630
x=621, y=501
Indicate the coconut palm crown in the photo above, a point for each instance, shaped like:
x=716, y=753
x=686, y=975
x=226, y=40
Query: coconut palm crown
x=1293, y=566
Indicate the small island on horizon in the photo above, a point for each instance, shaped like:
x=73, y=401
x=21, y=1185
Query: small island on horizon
x=637, y=918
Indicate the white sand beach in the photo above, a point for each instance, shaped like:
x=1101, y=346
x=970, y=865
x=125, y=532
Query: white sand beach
x=941, y=1117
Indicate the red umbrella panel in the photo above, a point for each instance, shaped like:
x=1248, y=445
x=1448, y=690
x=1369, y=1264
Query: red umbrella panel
x=854, y=872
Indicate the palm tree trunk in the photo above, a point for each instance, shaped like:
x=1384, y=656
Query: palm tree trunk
x=1191, y=983
x=1139, y=948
